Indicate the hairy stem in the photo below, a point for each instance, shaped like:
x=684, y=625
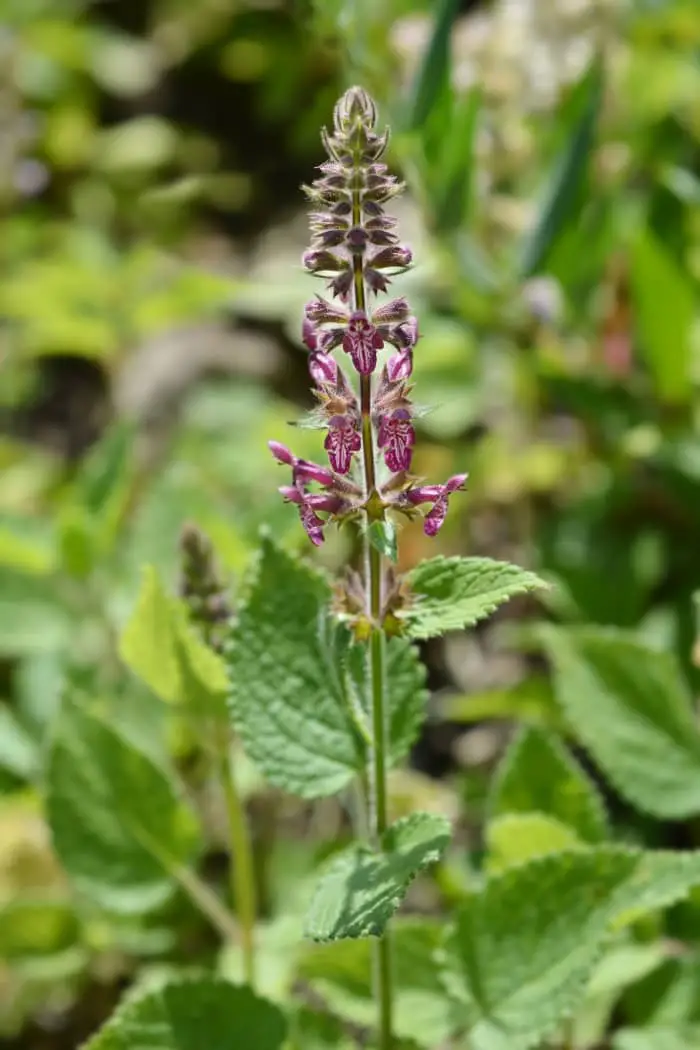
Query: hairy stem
x=241, y=867
x=378, y=777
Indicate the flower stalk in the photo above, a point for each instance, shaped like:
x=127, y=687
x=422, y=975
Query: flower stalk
x=369, y=438
x=205, y=596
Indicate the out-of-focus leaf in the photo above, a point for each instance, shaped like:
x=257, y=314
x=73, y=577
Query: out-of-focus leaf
x=632, y=710
x=434, y=70
x=161, y=647
x=192, y=1014
x=118, y=825
x=518, y=837
x=453, y=191
x=665, y=309
x=565, y=180
x=18, y=751
x=341, y=973
x=538, y=775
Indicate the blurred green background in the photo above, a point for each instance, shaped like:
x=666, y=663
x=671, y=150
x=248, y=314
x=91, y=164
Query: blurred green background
x=151, y=225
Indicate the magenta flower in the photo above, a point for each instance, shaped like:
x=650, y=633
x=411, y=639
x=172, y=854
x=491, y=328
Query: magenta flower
x=356, y=250
x=438, y=495
x=342, y=441
x=397, y=437
x=362, y=341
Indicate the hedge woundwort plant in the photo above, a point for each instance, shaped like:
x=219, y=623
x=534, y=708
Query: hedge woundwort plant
x=369, y=439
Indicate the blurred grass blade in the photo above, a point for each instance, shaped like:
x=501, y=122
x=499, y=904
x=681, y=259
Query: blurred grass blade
x=564, y=182
x=664, y=312
x=434, y=70
x=454, y=196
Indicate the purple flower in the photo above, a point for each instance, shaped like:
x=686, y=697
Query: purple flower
x=323, y=369
x=355, y=248
x=437, y=495
x=342, y=440
x=362, y=341
x=399, y=366
x=303, y=470
x=396, y=437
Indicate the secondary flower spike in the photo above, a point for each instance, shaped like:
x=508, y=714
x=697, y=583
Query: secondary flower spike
x=356, y=250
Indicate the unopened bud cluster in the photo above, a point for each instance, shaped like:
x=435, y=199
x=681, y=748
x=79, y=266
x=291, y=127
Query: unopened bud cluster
x=201, y=588
x=370, y=437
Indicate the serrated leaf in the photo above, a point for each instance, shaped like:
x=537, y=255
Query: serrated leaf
x=518, y=837
x=362, y=889
x=537, y=774
x=664, y=307
x=341, y=974
x=452, y=593
x=382, y=536
x=433, y=73
x=406, y=695
x=160, y=646
x=631, y=709
x=288, y=696
x=522, y=968
x=118, y=825
x=564, y=181
x=188, y=1015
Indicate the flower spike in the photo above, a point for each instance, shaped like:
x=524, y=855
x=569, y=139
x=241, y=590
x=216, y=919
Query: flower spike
x=356, y=249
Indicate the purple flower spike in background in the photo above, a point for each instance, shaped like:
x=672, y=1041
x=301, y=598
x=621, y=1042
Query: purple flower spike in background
x=355, y=248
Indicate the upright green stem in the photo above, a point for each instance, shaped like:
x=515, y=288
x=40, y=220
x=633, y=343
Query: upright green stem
x=378, y=777
x=241, y=867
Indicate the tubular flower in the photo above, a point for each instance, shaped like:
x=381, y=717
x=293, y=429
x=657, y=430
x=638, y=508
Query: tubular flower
x=356, y=250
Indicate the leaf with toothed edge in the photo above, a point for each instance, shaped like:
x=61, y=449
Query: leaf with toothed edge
x=453, y=593
x=190, y=1014
x=362, y=889
x=288, y=698
x=517, y=970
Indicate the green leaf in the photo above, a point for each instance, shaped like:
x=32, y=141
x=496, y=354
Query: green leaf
x=341, y=974
x=118, y=826
x=382, y=536
x=518, y=837
x=452, y=593
x=288, y=696
x=314, y=1031
x=622, y=966
x=520, y=969
x=454, y=189
x=564, y=181
x=362, y=889
x=537, y=774
x=434, y=71
x=664, y=309
x=32, y=927
x=660, y=879
x=631, y=709
x=530, y=701
x=160, y=646
x=190, y=1015
x=676, y=1037
x=23, y=552
x=406, y=697
x=18, y=751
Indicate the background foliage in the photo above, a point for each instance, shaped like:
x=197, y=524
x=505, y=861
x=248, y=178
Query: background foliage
x=150, y=230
